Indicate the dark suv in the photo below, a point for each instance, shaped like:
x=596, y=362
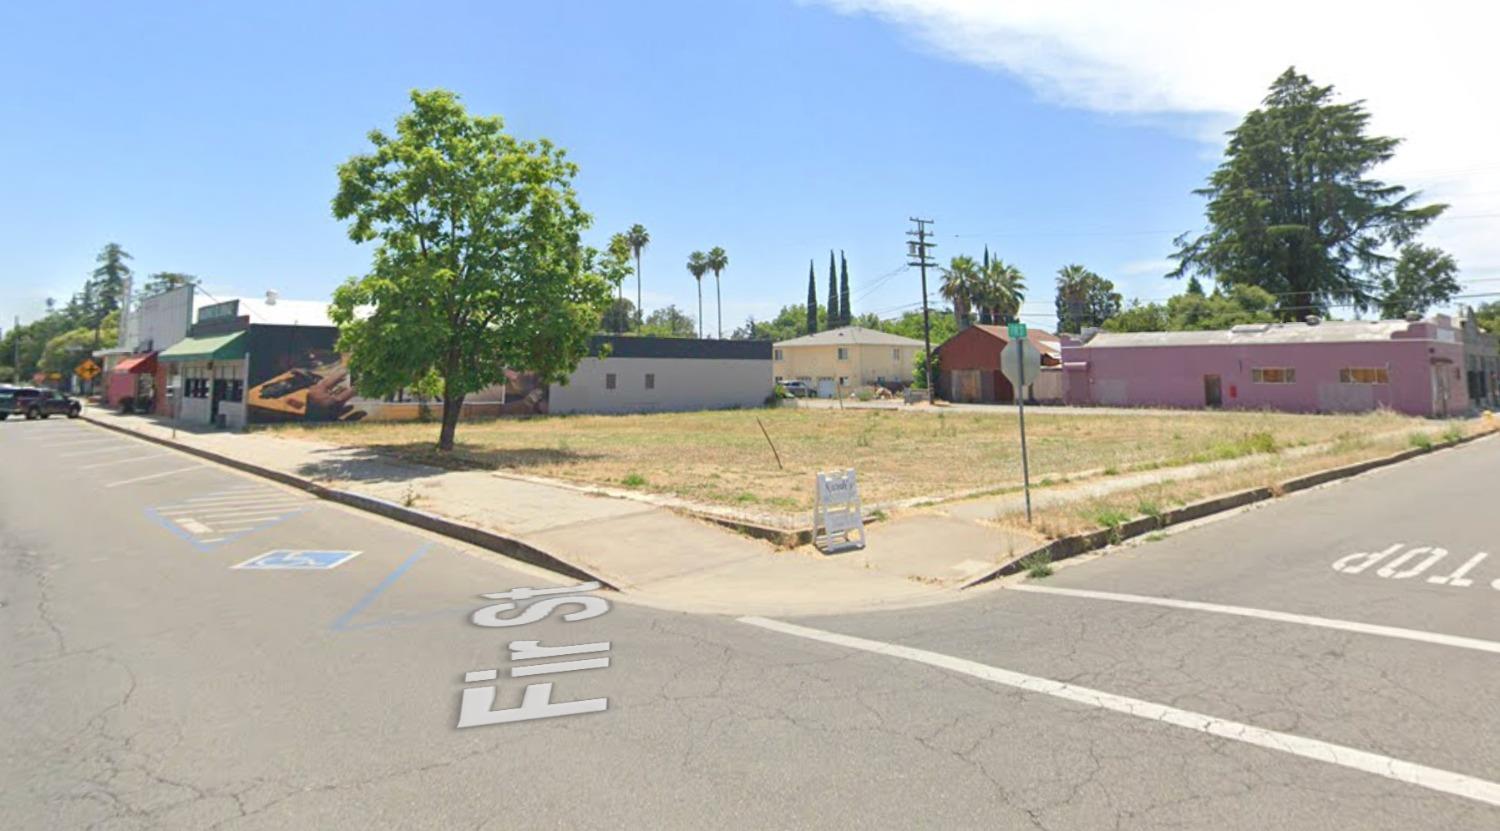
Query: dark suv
x=34, y=403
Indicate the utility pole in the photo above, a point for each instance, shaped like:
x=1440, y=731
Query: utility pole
x=916, y=251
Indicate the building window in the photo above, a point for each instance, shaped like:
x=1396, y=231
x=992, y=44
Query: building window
x=843, y=380
x=1365, y=375
x=896, y=354
x=843, y=353
x=609, y=380
x=650, y=380
x=1273, y=375
x=777, y=356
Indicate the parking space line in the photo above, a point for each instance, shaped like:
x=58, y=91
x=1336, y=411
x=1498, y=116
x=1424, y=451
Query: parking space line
x=98, y=450
x=82, y=442
x=122, y=461
x=342, y=621
x=1435, y=779
x=1280, y=617
x=151, y=476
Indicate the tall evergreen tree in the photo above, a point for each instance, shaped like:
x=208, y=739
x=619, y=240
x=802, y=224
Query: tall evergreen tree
x=845, y=315
x=1292, y=208
x=985, y=317
x=835, y=318
x=812, y=299
x=1194, y=287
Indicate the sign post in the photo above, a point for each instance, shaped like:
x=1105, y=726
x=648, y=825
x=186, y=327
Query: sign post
x=1021, y=367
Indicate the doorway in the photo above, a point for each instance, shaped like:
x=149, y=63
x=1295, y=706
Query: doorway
x=1213, y=391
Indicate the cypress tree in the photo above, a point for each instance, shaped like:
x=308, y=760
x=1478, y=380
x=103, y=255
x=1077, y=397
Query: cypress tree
x=834, y=315
x=812, y=300
x=844, y=313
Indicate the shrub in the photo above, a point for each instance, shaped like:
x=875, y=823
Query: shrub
x=1038, y=564
x=1453, y=433
x=633, y=480
x=1421, y=441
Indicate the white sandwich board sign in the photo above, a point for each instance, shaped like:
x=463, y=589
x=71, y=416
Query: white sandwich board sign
x=838, y=523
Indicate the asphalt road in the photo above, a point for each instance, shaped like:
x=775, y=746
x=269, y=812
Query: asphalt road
x=147, y=683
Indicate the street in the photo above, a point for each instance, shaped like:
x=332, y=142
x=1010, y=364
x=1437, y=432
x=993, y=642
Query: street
x=1327, y=660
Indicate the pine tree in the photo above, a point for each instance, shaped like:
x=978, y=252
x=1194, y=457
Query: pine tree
x=1194, y=287
x=834, y=316
x=812, y=299
x=845, y=314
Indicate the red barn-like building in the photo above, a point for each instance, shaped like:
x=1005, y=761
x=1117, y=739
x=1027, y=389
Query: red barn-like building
x=969, y=363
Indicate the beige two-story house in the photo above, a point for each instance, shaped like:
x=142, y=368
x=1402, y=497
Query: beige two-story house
x=846, y=358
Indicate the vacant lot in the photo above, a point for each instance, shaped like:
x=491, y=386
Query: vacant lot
x=722, y=457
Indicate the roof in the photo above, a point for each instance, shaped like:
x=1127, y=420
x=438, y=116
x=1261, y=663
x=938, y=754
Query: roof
x=226, y=347
x=285, y=312
x=1046, y=342
x=847, y=335
x=631, y=346
x=1341, y=331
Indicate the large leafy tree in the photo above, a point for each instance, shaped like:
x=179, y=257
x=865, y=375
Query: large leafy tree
x=960, y=286
x=1189, y=311
x=163, y=281
x=639, y=238
x=668, y=322
x=479, y=264
x=1084, y=299
x=717, y=262
x=1423, y=277
x=1293, y=209
x=1488, y=315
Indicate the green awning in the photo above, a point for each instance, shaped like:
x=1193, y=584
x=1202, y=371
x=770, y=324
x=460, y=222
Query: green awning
x=228, y=347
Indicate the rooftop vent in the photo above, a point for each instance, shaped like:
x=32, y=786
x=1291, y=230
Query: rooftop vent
x=1413, y=317
x=271, y=296
x=1312, y=320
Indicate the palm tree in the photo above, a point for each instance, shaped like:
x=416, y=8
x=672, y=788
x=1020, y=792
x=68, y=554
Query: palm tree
x=1072, y=295
x=718, y=261
x=1001, y=290
x=960, y=280
x=697, y=265
x=638, y=239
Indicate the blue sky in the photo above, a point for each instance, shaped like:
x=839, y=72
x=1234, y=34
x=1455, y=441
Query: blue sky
x=204, y=137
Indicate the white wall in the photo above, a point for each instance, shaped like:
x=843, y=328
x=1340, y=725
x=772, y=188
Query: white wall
x=162, y=319
x=681, y=384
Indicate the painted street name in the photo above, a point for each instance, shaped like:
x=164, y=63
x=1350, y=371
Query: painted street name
x=574, y=604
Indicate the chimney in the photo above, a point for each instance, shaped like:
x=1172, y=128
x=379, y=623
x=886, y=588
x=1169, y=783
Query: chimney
x=1312, y=320
x=271, y=295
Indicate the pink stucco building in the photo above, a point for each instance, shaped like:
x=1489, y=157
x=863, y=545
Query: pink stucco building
x=1414, y=367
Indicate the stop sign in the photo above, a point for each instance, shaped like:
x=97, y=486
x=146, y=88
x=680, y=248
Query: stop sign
x=1021, y=362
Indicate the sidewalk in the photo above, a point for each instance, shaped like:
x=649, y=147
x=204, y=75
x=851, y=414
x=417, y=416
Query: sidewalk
x=654, y=555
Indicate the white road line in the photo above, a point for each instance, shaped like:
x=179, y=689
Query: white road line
x=61, y=444
x=242, y=500
x=248, y=516
x=121, y=461
x=152, y=476
x=1280, y=617
x=96, y=451
x=223, y=509
x=1435, y=779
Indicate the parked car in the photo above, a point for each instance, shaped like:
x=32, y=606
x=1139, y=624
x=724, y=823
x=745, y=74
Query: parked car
x=36, y=403
x=796, y=389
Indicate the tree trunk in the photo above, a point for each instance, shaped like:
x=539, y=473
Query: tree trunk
x=700, y=310
x=639, y=320
x=719, y=302
x=453, y=404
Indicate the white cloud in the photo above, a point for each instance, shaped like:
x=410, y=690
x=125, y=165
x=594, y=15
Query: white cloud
x=1425, y=71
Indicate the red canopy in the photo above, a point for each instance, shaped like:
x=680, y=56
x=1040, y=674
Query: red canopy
x=138, y=363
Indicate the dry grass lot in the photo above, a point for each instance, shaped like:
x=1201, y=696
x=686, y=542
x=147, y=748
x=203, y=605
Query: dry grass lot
x=721, y=457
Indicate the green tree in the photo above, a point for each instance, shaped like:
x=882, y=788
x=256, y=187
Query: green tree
x=620, y=316
x=163, y=281
x=909, y=325
x=717, y=262
x=1000, y=290
x=846, y=315
x=812, y=300
x=479, y=264
x=1423, y=277
x=1292, y=208
x=1139, y=317
x=697, y=265
x=1194, y=287
x=1196, y=312
x=108, y=284
x=1488, y=315
x=1084, y=299
x=668, y=322
x=639, y=238
x=835, y=314
x=960, y=284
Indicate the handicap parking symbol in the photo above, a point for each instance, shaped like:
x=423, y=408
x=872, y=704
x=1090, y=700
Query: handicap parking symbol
x=298, y=560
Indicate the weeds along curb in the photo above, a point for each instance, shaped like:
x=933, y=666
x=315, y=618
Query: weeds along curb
x=474, y=535
x=1071, y=546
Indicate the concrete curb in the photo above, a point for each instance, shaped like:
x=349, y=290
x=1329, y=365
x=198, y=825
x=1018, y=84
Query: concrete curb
x=1071, y=546
x=506, y=546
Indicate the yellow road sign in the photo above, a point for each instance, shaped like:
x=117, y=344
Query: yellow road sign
x=87, y=370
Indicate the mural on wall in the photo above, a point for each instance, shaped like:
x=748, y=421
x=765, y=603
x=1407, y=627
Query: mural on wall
x=525, y=394
x=310, y=385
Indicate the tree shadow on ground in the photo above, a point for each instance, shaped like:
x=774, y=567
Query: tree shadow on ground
x=467, y=456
